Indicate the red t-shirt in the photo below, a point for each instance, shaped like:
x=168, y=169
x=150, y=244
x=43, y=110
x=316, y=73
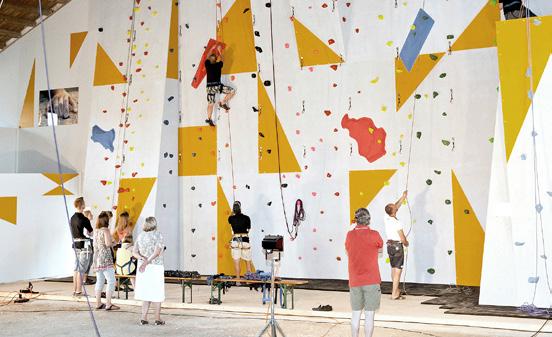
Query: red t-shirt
x=362, y=245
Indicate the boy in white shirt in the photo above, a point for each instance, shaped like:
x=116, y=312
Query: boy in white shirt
x=395, y=242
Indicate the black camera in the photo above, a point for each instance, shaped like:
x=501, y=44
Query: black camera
x=273, y=243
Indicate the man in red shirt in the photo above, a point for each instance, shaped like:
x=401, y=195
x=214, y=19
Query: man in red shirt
x=362, y=245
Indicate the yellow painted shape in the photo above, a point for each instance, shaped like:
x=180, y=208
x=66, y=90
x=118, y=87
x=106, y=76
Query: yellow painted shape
x=268, y=146
x=105, y=71
x=197, y=151
x=312, y=51
x=134, y=197
x=172, y=53
x=364, y=186
x=26, y=120
x=8, y=209
x=406, y=82
x=513, y=65
x=236, y=31
x=56, y=178
x=225, y=263
x=481, y=32
x=77, y=39
x=468, y=238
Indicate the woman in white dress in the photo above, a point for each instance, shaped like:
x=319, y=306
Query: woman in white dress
x=150, y=279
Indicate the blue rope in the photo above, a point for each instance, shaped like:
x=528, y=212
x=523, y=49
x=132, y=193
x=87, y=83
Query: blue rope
x=59, y=165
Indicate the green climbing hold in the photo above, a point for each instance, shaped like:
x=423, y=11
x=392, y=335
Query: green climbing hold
x=435, y=94
x=417, y=96
x=437, y=171
x=433, y=57
x=430, y=222
x=418, y=135
x=449, y=252
x=431, y=271
x=446, y=142
x=444, y=114
x=491, y=140
x=443, y=75
x=448, y=202
x=450, y=37
x=429, y=182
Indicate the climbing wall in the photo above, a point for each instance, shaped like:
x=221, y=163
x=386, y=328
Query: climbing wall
x=520, y=196
x=128, y=109
x=353, y=124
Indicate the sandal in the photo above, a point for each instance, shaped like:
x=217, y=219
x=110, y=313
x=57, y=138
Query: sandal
x=112, y=307
x=77, y=294
x=100, y=307
x=210, y=122
x=401, y=297
x=159, y=322
x=143, y=322
x=323, y=308
x=224, y=106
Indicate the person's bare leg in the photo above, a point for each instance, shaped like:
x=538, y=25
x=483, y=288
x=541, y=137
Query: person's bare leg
x=84, y=279
x=98, y=298
x=79, y=282
x=355, y=323
x=248, y=266
x=237, y=267
x=396, y=277
x=157, y=310
x=145, y=309
x=368, y=323
x=228, y=97
x=210, y=107
x=75, y=275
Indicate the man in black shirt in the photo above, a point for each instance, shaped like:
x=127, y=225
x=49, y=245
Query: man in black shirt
x=241, y=248
x=82, y=245
x=213, y=66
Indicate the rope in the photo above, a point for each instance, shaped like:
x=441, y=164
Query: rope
x=123, y=119
x=231, y=160
x=62, y=183
x=292, y=230
x=536, y=180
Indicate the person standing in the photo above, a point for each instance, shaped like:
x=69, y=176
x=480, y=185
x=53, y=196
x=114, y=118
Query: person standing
x=362, y=245
x=213, y=66
x=396, y=241
x=103, y=260
x=150, y=279
x=240, y=245
x=81, y=244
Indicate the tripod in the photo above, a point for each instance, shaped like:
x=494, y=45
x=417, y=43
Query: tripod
x=272, y=323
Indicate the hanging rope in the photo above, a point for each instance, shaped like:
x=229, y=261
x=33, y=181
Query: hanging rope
x=62, y=183
x=123, y=119
x=293, y=229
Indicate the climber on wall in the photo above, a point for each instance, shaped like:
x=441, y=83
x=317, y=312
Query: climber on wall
x=395, y=242
x=240, y=246
x=213, y=66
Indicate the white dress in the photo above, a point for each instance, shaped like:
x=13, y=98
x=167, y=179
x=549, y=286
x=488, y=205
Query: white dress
x=150, y=285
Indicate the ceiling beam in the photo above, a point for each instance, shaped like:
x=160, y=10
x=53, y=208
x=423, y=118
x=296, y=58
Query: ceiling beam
x=9, y=33
x=14, y=19
x=27, y=8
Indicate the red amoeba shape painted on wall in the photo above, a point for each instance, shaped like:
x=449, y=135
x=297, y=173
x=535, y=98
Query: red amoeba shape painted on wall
x=370, y=139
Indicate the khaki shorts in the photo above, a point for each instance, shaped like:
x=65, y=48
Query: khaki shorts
x=365, y=297
x=241, y=250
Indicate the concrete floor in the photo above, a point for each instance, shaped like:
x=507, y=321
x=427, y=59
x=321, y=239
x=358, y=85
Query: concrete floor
x=55, y=313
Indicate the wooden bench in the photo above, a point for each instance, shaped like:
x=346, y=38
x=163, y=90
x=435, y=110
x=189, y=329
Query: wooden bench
x=185, y=282
x=287, y=287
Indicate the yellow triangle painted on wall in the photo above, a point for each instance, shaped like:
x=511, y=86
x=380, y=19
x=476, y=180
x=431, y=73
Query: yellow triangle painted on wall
x=469, y=238
x=26, y=119
x=481, y=32
x=55, y=177
x=133, y=194
x=225, y=263
x=236, y=31
x=172, y=53
x=76, y=41
x=58, y=191
x=364, y=186
x=312, y=51
x=105, y=71
x=513, y=62
x=406, y=82
x=268, y=143
x=8, y=209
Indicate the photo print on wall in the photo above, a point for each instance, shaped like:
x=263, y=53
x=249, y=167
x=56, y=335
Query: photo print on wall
x=65, y=104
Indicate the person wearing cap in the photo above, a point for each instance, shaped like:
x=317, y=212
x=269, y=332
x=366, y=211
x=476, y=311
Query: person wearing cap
x=240, y=246
x=363, y=245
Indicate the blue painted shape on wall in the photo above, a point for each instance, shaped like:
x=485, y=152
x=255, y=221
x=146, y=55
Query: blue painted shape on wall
x=105, y=138
x=416, y=38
